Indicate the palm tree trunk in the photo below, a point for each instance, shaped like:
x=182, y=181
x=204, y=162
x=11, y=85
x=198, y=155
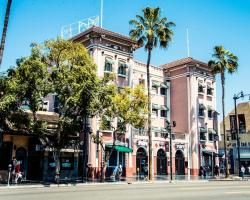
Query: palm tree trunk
x=224, y=126
x=6, y=20
x=150, y=153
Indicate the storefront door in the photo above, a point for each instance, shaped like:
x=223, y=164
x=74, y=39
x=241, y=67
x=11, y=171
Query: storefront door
x=161, y=162
x=179, y=163
x=141, y=161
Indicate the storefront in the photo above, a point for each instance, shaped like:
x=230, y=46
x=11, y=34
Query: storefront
x=117, y=157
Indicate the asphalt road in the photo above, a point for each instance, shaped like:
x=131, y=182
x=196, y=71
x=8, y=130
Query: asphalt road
x=151, y=191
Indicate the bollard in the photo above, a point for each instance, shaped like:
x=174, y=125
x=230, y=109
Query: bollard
x=9, y=167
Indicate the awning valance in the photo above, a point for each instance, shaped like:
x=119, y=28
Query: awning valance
x=202, y=130
x=110, y=61
x=210, y=87
x=202, y=106
x=201, y=85
x=164, y=108
x=120, y=148
x=210, y=108
x=164, y=86
x=155, y=84
x=156, y=106
x=210, y=130
x=122, y=64
x=163, y=130
x=156, y=129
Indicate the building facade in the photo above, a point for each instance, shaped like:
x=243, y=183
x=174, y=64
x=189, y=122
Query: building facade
x=182, y=91
x=193, y=107
x=243, y=112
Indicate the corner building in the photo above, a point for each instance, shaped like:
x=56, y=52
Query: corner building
x=183, y=91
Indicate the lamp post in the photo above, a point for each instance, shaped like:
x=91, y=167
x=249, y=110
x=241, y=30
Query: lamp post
x=236, y=97
x=169, y=130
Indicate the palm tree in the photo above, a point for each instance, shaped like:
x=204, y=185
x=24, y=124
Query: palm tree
x=6, y=20
x=149, y=30
x=224, y=61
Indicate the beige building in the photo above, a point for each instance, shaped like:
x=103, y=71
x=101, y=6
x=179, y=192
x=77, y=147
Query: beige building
x=243, y=112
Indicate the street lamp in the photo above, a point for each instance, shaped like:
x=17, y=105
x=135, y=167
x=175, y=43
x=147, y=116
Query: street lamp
x=236, y=97
x=169, y=132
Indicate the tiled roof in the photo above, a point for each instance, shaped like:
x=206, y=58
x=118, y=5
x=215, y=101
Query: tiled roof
x=182, y=61
x=100, y=30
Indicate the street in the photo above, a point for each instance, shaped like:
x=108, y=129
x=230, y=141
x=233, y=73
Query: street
x=152, y=191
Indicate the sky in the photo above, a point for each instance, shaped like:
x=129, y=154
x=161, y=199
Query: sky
x=210, y=23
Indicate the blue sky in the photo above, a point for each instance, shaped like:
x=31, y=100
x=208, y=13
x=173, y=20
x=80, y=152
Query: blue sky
x=210, y=23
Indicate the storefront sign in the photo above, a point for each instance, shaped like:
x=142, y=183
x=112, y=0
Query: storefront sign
x=142, y=143
x=180, y=146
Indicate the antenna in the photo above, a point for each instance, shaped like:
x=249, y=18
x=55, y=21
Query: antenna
x=101, y=12
x=187, y=43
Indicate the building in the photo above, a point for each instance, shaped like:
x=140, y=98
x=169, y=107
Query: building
x=182, y=91
x=243, y=113
x=193, y=107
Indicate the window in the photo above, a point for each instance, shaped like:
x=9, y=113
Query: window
x=242, y=123
x=44, y=106
x=163, y=113
x=108, y=65
x=202, y=136
x=209, y=90
x=155, y=112
x=232, y=124
x=200, y=88
x=243, y=144
x=67, y=161
x=154, y=90
x=155, y=86
x=210, y=137
x=139, y=131
x=210, y=112
x=142, y=82
x=122, y=69
x=163, y=91
x=201, y=112
x=203, y=132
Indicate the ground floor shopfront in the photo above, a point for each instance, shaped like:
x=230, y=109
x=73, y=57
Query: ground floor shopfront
x=244, y=160
x=36, y=163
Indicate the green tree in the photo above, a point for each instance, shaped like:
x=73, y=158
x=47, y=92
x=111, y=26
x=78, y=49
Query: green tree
x=74, y=82
x=127, y=107
x=149, y=30
x=224, y=61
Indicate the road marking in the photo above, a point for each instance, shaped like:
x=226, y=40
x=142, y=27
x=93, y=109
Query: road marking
x=238, y=192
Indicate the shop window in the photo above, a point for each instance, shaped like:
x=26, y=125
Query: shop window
x=113, y=158
x=67, y=161
x=243, y=144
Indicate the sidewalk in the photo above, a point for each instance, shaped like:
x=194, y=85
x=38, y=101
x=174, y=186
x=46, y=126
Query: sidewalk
x=129, y=180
